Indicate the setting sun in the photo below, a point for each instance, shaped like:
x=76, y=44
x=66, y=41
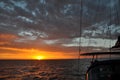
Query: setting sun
x=39, y=57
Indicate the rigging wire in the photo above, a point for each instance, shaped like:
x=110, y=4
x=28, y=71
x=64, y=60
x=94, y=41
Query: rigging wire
x=94, y=30
x=116, y=14
x=97, y=16
x=108, y=16
x=109, y=27
x=105, y=30
x=80, y=33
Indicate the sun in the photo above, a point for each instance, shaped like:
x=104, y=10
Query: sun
x=39, y=57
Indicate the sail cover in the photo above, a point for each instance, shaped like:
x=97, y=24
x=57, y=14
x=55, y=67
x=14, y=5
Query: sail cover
x=117, y=45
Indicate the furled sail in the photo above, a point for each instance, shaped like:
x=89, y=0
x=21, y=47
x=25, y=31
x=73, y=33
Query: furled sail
x=117, y=44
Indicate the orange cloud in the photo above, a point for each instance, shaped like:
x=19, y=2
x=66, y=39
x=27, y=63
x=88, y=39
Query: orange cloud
x=10, y=49
x=16, y=53
x=7, y=39
x=7, y=36
x=4, y=42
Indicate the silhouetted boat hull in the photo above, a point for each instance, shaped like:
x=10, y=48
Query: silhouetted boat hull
x=104, y=70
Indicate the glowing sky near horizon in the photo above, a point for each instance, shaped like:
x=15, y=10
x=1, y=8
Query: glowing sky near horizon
x=49, y=29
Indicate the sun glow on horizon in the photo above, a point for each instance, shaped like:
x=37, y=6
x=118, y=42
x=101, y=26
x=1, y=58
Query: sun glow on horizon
x=34, y=54
x=39, y=57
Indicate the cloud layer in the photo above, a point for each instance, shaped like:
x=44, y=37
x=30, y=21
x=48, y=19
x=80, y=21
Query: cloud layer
x=54, y=25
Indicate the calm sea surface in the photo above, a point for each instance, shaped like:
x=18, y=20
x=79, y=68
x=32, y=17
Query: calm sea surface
x=43, y=69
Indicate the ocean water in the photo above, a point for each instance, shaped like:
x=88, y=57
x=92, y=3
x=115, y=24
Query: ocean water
x=43, y=69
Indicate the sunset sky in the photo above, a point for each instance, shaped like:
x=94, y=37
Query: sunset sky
x=50, y=29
